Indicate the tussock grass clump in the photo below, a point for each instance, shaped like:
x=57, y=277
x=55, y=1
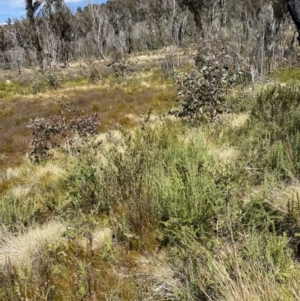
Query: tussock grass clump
x=261, y=268
x=20, y=250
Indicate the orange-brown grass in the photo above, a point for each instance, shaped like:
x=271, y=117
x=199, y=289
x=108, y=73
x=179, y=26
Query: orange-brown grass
x=113, y=104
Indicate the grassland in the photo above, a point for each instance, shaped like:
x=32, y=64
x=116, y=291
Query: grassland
x=162, y=209
x=117, y=101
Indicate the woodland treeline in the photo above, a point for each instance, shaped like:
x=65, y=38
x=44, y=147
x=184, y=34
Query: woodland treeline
x=256, y=34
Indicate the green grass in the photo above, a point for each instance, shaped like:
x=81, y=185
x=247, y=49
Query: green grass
x=287, y=75
x=11, y=89
x=74, y=83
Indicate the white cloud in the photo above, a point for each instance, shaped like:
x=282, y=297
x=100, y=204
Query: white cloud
x=11, y=9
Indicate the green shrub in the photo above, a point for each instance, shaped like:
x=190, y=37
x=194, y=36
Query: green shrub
x=275, y=114
x=123, y=68
x=53, y=79
x=15, y=213
x=203, y=89
x=84, y=191
x=37, y=87
x=94, y=73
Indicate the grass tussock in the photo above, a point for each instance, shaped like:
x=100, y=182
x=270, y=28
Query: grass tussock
x=20, y=250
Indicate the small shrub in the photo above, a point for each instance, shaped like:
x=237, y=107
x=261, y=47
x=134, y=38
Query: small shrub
x=276, y=110
x=53, y=80
x=52, y=132
x=83, y=186
x=94, y=73
x=169, y=63
x=202, y=89
x=95, y=106
x=123, y=68
x=37, y=87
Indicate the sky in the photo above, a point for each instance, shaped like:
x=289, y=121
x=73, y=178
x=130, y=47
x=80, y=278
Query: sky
x=15, y=9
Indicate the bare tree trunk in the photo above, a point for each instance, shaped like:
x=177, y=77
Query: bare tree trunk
x=99, y=28
x=31, y=9
x=262, y=50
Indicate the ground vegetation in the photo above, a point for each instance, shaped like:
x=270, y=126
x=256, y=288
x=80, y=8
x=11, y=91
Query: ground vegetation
x=108, y=196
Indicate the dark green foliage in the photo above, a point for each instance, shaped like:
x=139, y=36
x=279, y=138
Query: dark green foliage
x=203, y=89
x=60, y=129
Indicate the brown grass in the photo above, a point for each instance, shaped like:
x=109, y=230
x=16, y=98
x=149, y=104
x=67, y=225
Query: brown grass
x=114, y=100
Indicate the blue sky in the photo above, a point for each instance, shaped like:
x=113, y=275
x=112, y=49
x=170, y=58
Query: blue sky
x=14, y=9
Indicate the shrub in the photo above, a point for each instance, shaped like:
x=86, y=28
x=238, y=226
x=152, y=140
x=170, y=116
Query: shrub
x=37, y=87
x=84, y=186
x=53, y=80
x=202, y=90
x=52, y=132
x=94, y=73
x=276, y=111
x=123, y=68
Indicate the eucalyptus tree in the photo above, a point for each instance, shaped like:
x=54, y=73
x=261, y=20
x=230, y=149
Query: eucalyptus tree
x=50, y=26
x=5, y=45
x=60, y=20
x=32, y=7
x=99, y=28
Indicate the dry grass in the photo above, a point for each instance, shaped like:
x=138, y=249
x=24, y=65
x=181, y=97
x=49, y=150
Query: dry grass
x=98, y=238
x=238, y=120
x=29, y=178
x=260, y=287
x=225, y=155
x=20, y=249
x=168, y=234
x=162, y=276
x=113, y=100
